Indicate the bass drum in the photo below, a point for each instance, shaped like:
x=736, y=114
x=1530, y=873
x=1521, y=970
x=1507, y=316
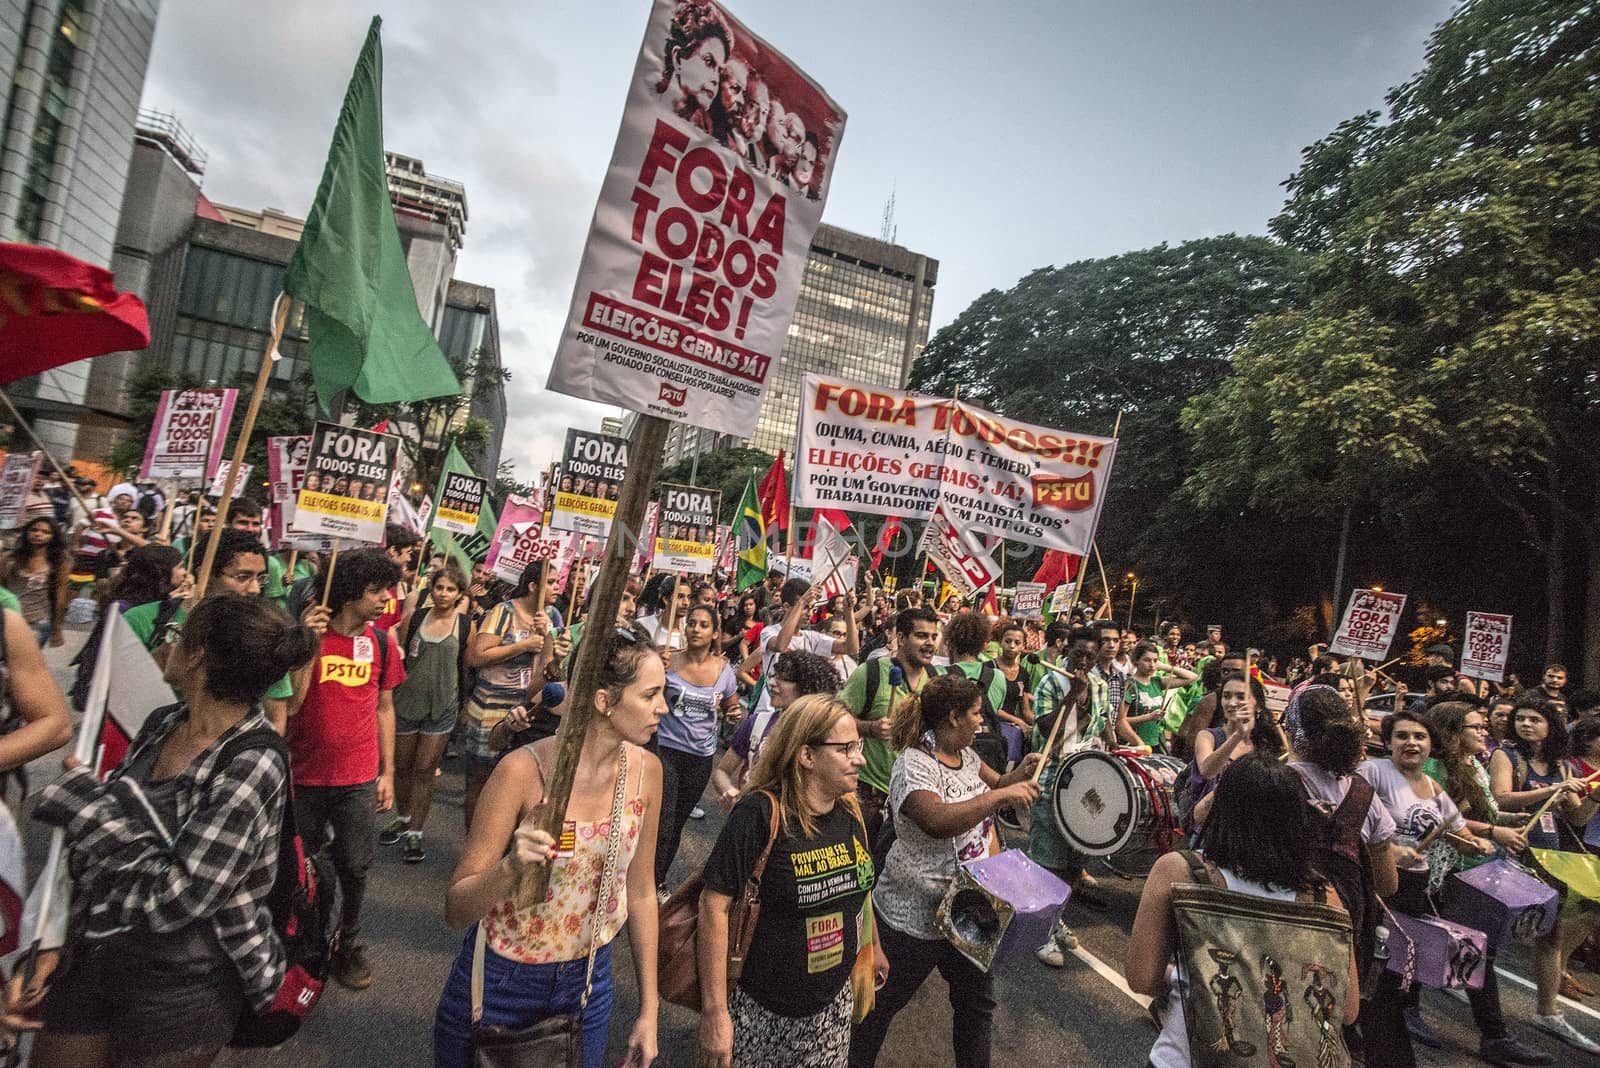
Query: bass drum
x=1109, y=803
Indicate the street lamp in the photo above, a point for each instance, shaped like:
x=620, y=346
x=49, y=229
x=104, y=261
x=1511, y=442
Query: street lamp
x=1133, y=593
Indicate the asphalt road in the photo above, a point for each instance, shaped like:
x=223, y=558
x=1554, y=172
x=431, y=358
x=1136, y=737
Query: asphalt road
x=1077, y=1015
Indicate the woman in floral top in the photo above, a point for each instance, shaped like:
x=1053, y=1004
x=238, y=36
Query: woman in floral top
x=534, y=958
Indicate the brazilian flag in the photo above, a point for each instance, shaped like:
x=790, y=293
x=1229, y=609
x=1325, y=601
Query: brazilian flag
x=752, y=540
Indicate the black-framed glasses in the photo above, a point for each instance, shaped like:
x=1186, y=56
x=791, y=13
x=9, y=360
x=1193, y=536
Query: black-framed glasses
x=849, y=749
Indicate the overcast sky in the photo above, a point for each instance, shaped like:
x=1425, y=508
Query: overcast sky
x=1014, y=134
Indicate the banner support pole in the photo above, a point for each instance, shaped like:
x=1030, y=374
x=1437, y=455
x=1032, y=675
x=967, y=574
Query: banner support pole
x=649, y=438
x=280, y=319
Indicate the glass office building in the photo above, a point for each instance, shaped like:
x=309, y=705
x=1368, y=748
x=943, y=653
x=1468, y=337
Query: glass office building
x=862, y=314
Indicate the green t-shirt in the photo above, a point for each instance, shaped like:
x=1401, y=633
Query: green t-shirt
x=142, y=621
x=1144, y=698
x=880, y=753
x=9, y=600
x=275, y=589
x=997, y=683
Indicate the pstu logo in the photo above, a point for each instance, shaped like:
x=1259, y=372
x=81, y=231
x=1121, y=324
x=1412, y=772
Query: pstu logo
x=674, y=395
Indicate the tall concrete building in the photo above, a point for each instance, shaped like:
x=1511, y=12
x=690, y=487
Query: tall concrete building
x=74, y=72
x=862, y=314
x=209, y=274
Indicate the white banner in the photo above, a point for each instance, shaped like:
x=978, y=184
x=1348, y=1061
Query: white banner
x=16, y=480
x=705, y=218
x=888, y=452
x=1487, y=647
x=1371, y=620
x=240, y=483
x=957, y=555
x=831, y=556
x=1027, y=602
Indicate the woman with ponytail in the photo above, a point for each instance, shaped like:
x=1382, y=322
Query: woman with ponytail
x=942, y=799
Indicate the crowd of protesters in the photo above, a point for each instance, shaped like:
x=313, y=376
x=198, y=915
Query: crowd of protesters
x=863, y=748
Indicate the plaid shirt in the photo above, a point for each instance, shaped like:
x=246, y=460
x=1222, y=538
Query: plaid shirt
x=132, y=872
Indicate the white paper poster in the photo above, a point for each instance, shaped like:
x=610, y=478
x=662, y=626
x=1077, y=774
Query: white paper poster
x=705, y=218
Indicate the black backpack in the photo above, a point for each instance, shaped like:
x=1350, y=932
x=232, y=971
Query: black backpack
x=305, y=907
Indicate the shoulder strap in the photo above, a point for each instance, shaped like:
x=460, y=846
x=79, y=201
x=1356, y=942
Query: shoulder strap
x=264, y=738
x=164, y=614
x=1197, y=867
x=772, y=838
x=382, y=637
x=417, y=618
x=875, y=673
x=1353, y=809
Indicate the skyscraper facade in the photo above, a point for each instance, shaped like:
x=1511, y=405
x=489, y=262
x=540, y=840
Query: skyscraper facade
x=863, y=314
x=74, y=72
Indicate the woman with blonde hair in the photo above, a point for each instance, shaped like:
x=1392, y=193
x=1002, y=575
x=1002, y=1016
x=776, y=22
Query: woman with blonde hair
x=798, y=835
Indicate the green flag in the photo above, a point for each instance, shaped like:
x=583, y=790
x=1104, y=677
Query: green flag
x=751, y=532
x=474, y=547
x=350, y=271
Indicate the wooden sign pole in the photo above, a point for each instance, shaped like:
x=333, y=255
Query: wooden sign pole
x=644, y=463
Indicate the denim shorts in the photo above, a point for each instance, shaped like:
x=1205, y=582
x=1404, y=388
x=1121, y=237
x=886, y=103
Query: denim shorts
x=517, y=995
x=441, y=722
x=163, y=996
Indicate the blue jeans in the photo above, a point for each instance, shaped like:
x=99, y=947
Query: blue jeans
x=517, y=995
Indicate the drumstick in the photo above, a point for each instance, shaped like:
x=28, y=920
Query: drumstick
x=1550, y=801
x=1061, y=714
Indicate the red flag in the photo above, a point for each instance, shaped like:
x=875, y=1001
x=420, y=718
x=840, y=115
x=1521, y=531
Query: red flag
x=991, y=603
x=773, y=493
x=891, y=527
x=1057, y=567
x=55, y=309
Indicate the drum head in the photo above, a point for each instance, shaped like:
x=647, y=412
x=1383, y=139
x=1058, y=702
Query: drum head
x=1094, y=803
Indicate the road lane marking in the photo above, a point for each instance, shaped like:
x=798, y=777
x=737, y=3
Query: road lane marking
x=1568, y=1002
x=1112, y=976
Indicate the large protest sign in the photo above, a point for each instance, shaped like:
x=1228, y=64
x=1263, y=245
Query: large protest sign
x=521, y=538
x=705, y=218
x=887, y=452
x=286, y=471
x=961, y=559
x=686, y=530
x=588, y=482
x=460, y=502
x=345, y=493
x=1487, y=647
x=16, y=479
x=1027, y=602
x=186, y=438
x=1371, y=620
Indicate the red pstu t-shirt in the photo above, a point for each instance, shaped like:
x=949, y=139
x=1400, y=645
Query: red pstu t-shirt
x=333, y=739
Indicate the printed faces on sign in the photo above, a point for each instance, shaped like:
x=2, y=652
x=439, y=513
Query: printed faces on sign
x=588, y=483
x=186, y=438
x=1370, y=623
x=706, y=215
x=460, y=503
x=1487, y=646
x=686, y=530
x=345, y=493
x=887, y=452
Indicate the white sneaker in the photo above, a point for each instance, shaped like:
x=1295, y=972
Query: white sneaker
x=1065, y=938
x=697, y=813
x=1557, y=1025
x=1050, y=953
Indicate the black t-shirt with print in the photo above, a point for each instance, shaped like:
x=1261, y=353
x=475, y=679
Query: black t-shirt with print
x=811, y=898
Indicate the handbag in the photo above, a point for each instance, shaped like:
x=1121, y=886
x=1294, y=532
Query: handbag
x=555, y=1040
x=677, y=966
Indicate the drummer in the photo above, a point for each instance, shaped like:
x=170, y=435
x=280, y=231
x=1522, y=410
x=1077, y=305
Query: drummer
x=1083, y=700
x=942, y=800
x=1530, y=772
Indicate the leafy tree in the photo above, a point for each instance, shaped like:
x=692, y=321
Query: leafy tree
x=425, y=426
x=1455, y=251
x=725, y=469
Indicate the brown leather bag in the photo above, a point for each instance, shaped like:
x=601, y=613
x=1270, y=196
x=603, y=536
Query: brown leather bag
x=677, y=966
